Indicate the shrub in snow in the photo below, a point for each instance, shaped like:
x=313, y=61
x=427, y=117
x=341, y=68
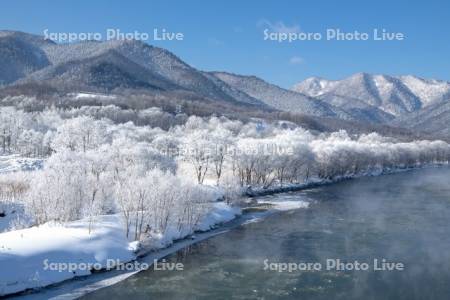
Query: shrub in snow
x=160, y=201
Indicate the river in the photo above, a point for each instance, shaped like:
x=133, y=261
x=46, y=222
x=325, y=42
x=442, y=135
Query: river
x=403, y=218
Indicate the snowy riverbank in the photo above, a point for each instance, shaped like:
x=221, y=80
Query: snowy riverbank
x=24, y=254
x=73, y=289
x=29, y=257
x=316, y=182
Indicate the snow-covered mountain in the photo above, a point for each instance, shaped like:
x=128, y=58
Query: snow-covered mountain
x=279, y=98
x=293, y=101
x=113, y=66
x=395, y=95
x=35, y=65
x=433, y=119
x=429, y=91
x=20, y=55
x=104, y=66
x=159, y=62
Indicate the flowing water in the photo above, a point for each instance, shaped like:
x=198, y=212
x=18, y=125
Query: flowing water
x=402, y=218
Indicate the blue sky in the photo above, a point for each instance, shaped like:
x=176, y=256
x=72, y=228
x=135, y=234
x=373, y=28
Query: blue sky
x=228, y=35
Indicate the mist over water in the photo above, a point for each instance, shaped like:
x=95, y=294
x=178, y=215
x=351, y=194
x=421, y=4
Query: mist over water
x=402, y=217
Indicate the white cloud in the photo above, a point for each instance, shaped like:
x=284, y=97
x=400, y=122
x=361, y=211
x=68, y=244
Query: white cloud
x=296, y=60
x=278, y=26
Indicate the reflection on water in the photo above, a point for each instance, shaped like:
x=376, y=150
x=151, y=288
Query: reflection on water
x=402, y=218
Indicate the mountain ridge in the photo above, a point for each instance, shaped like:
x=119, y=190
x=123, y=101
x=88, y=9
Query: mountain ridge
x=29, y=61
x=396, y=95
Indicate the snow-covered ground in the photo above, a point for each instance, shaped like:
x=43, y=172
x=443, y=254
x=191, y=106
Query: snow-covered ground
x=16, y=162
x=23, y=252
x=28, y=256
x=73, y=289
x=12, y=214
x=92, y=95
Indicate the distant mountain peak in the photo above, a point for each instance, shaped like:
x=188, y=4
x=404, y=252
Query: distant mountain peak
x=396, y=95
x=314, y=86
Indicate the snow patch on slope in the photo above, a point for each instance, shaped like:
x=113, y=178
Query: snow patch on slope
x=314, y=86
x=429, y=91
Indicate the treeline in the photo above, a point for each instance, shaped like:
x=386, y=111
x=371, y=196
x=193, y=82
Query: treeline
x=177, y=103
x=160, y=180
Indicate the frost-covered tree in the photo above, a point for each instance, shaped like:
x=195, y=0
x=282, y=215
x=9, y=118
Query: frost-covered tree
x=101, y=160
x=198, y=151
